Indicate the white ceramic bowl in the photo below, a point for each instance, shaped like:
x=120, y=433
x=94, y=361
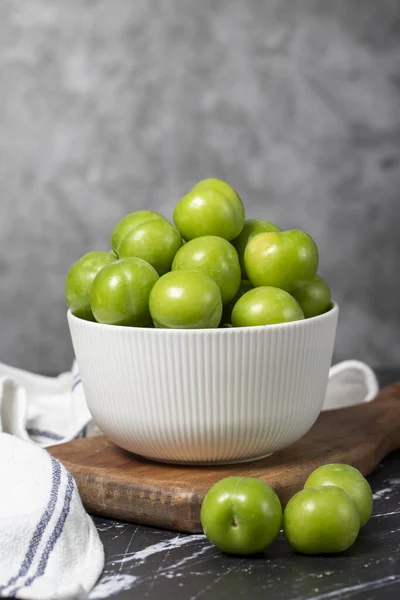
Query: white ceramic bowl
x=205, y=395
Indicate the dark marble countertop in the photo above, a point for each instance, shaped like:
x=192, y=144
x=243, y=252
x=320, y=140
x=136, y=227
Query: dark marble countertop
x=142, y=562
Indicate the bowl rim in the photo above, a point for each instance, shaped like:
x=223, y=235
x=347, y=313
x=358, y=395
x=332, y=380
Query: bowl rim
x=330, y=313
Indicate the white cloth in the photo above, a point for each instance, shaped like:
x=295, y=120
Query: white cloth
x=350, y=382
x=44, y=410
x=49, y=547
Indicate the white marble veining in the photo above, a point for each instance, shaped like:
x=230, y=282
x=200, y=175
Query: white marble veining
x=155, y=563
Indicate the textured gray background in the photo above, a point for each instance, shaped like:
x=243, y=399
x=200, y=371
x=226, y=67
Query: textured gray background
x=107, y=106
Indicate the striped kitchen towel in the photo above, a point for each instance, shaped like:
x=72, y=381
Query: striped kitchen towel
x=49, y=546
x=44, y=410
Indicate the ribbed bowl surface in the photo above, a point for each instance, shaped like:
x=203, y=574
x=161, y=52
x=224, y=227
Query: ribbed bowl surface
x=210, y=395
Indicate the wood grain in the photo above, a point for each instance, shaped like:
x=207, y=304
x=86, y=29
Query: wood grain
x=116, y=484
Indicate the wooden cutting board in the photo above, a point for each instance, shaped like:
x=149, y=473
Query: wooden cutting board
x=116, y=484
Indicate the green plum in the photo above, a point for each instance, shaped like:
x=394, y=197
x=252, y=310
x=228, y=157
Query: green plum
x=251, y=228
x=215, y=257
x=313, y=296
x=78, y=284
x=155, y=240
x=185, y=300
x=212, y=207
x=245, y=286
x=121, y=291
x=265, y=306
x=321, y=521
x=283, y=259
x=129, y=222
x=241, y=515
x=348, y=479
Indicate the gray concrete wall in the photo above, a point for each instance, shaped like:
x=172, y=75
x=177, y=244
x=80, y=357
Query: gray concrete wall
x=107, y=106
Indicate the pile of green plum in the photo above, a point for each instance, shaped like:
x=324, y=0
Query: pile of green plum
x=243, y=515
x=211, y=269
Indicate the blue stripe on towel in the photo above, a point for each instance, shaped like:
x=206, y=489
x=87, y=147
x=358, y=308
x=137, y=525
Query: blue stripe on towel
x=51, y=435
x=75, y=383
x=57, y=531
x=41, y=526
